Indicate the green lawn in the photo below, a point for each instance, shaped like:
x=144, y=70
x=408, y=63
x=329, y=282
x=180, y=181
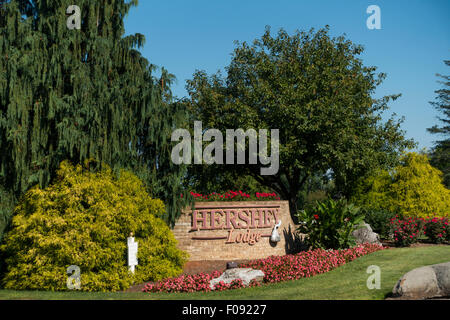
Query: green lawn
x=345, y=282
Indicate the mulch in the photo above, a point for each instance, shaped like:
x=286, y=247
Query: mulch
x=390, y=244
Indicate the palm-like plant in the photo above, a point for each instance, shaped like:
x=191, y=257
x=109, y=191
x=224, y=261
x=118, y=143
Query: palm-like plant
x=329, y=224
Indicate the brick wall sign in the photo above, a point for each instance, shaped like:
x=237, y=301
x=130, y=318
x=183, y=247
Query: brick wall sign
x=234, y=230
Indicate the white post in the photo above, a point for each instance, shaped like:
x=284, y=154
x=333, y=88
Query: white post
x=132, y=253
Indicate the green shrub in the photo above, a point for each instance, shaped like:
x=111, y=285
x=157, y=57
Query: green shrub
x=406, y=231
x=329, y=224
x=412, y=189
x=418, y=189
x=437, y=230
x=84, y=219
x=373, y=192
x=379, y=221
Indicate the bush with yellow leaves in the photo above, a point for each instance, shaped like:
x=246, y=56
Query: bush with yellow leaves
x=84, y=219
x=412, y=189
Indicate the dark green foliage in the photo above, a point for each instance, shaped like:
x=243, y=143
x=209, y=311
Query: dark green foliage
x=379, y=221
x=318, y=93
x=437, y=230
x=212, y=178
x=440, y=158
x=329, y=224
x=80, y=94
x=440, y=155
x=7, y=202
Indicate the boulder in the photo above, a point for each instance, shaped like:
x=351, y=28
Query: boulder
x=245, y=274
x=424, y=282
x=365, y=234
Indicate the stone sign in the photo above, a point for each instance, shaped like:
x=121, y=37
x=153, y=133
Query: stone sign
x=235, y=230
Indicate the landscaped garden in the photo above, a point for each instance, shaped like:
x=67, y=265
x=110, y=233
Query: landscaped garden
x=346, y=282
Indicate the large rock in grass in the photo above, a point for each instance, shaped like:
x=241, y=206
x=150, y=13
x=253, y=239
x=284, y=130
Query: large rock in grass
x=425, y=282
x=365, y=234
x=245, y=274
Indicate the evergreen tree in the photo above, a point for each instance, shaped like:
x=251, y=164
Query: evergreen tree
x=79, y=94
x=440, y=155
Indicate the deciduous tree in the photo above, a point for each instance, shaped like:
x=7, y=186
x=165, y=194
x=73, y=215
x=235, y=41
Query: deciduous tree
x=313, y=88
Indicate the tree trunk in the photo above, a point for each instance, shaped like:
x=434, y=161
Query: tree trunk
x=293, y=208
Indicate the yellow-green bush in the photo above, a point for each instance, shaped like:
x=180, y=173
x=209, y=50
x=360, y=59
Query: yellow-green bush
x=84, y=219
x=373, y=192
x=413, y=189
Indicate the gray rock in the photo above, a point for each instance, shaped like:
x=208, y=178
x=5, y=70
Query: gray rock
x=245, y=274
x=365, y=234
x=425, y=282
x=231, y=265
x=442, y=272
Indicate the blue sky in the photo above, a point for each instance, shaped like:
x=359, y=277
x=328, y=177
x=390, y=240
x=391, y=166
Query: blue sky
x=410, y=47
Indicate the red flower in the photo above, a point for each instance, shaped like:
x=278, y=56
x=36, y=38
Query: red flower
x=316, y=216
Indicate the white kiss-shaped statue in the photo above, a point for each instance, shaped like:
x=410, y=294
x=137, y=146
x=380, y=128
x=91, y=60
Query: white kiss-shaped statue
x=275, y=237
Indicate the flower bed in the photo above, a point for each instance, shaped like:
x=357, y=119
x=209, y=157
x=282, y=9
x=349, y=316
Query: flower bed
x=275, y=268
x=309, y=263
x=437, y=230
x=235, y=196
x=409, y=231
x=406, y=232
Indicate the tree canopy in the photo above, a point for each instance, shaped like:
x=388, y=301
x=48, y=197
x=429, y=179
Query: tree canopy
x=81, y=94
x=317, y=92
x=440, y=155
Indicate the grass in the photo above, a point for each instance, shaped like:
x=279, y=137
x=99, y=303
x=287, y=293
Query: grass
x=347, y=282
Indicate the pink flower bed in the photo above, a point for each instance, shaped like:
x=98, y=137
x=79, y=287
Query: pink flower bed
x=275, y=268
x=234, y=196
x=192, y=283
x=183, y=283
x=409, y=230
x=308, y=263
x=406, y=231
x=437, y=229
